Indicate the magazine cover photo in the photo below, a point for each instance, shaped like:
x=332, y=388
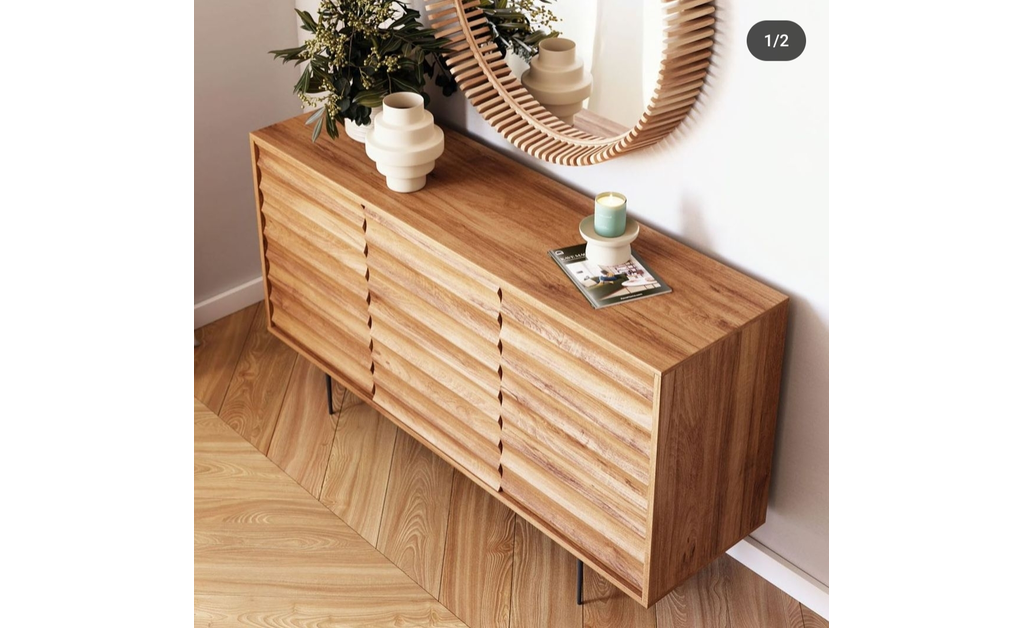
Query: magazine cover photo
x=608, y=285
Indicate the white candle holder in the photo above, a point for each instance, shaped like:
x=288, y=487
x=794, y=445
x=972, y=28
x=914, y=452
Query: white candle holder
x=609, y=251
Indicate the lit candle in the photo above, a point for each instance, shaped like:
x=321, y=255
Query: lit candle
x=610, y=214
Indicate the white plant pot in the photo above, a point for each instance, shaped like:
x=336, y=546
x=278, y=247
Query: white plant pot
x=358, y=131
x=404, y=142
x=557, y=79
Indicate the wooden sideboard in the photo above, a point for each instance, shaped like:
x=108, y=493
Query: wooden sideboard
x=639, y=437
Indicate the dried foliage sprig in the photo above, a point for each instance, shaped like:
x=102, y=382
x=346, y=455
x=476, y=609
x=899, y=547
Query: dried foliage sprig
x=361, y=51
x=519, y=25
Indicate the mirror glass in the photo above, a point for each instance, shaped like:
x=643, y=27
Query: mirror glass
x=619, y=44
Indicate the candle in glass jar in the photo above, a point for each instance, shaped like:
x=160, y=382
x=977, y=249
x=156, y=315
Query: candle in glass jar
x=610, y=214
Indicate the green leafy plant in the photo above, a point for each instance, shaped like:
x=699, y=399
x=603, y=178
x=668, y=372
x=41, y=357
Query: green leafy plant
x=361, y=51
x=519, y=25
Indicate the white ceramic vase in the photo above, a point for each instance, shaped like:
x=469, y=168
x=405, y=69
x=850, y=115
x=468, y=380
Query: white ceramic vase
x=358, y=131
x=404, y=142
x=557, y=80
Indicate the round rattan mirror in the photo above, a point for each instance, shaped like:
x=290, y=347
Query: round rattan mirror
x=502, y=99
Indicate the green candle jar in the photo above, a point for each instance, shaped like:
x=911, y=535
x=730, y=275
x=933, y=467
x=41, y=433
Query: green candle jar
x=610, y=214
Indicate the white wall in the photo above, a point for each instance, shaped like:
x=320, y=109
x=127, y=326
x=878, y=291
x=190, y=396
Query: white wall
x=745, y=180
x=238, y=88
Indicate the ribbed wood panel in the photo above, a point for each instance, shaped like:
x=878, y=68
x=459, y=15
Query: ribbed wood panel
x=324, y=192
x=620, y=366
x=440, y=438
x=560, y=399
x=349, y=292
x=324, y=349
x=315, y=268
x=558, y=389
x=443, y=406
x=577, y=452
x=610, y=504
x=615, y=548
x=579, y=377
x=391, y=324
x=392, y=246
x=620, y=443
x=279, y=194
x=435, y=348
x=501, y=99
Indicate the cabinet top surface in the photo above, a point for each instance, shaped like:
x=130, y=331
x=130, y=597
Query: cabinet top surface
x=504, y=217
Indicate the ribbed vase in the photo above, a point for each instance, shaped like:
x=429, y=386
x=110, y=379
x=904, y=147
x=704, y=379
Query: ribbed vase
x=404, y=142
x=557, y=80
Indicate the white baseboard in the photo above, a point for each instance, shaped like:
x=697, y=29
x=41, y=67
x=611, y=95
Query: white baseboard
x=783, y=574
x=228, y=302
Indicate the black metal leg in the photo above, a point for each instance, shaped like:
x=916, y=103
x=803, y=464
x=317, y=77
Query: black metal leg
x=330, y=394
x=579, y=582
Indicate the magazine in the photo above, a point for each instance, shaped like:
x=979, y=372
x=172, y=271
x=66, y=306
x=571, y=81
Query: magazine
x=608, y=285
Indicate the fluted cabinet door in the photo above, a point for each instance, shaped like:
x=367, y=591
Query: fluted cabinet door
x=435, y=337
x=315, y=268
x=576, y=437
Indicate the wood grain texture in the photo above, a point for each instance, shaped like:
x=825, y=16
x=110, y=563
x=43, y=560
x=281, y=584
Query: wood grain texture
x=754, y=603
x=326, y=193
x=728, y=595
x=226, y=466
x=613, y=548
x=357, y=473
x=715, y=440
x=295, y=330
x=439, y=441
x=498, y=230
x=302, y=440
x=710, y=598
x=543, y=582
x=419, y=256
x=220, y=345
x=701, y=601
x=575, y=377
x=639, y=436
x=605, y=606
x=415, y=520
x=569, y=482
x=565, y=449
x=812, y=619
x=446, y=409
x=257, y=387
x=481, y=72
x=477, y=577
x=291, y=563
x=343, y=399
x=443, y=292
x=346, y=609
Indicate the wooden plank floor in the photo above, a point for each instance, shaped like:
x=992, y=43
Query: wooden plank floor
x=267, y=553
x=462, y=547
